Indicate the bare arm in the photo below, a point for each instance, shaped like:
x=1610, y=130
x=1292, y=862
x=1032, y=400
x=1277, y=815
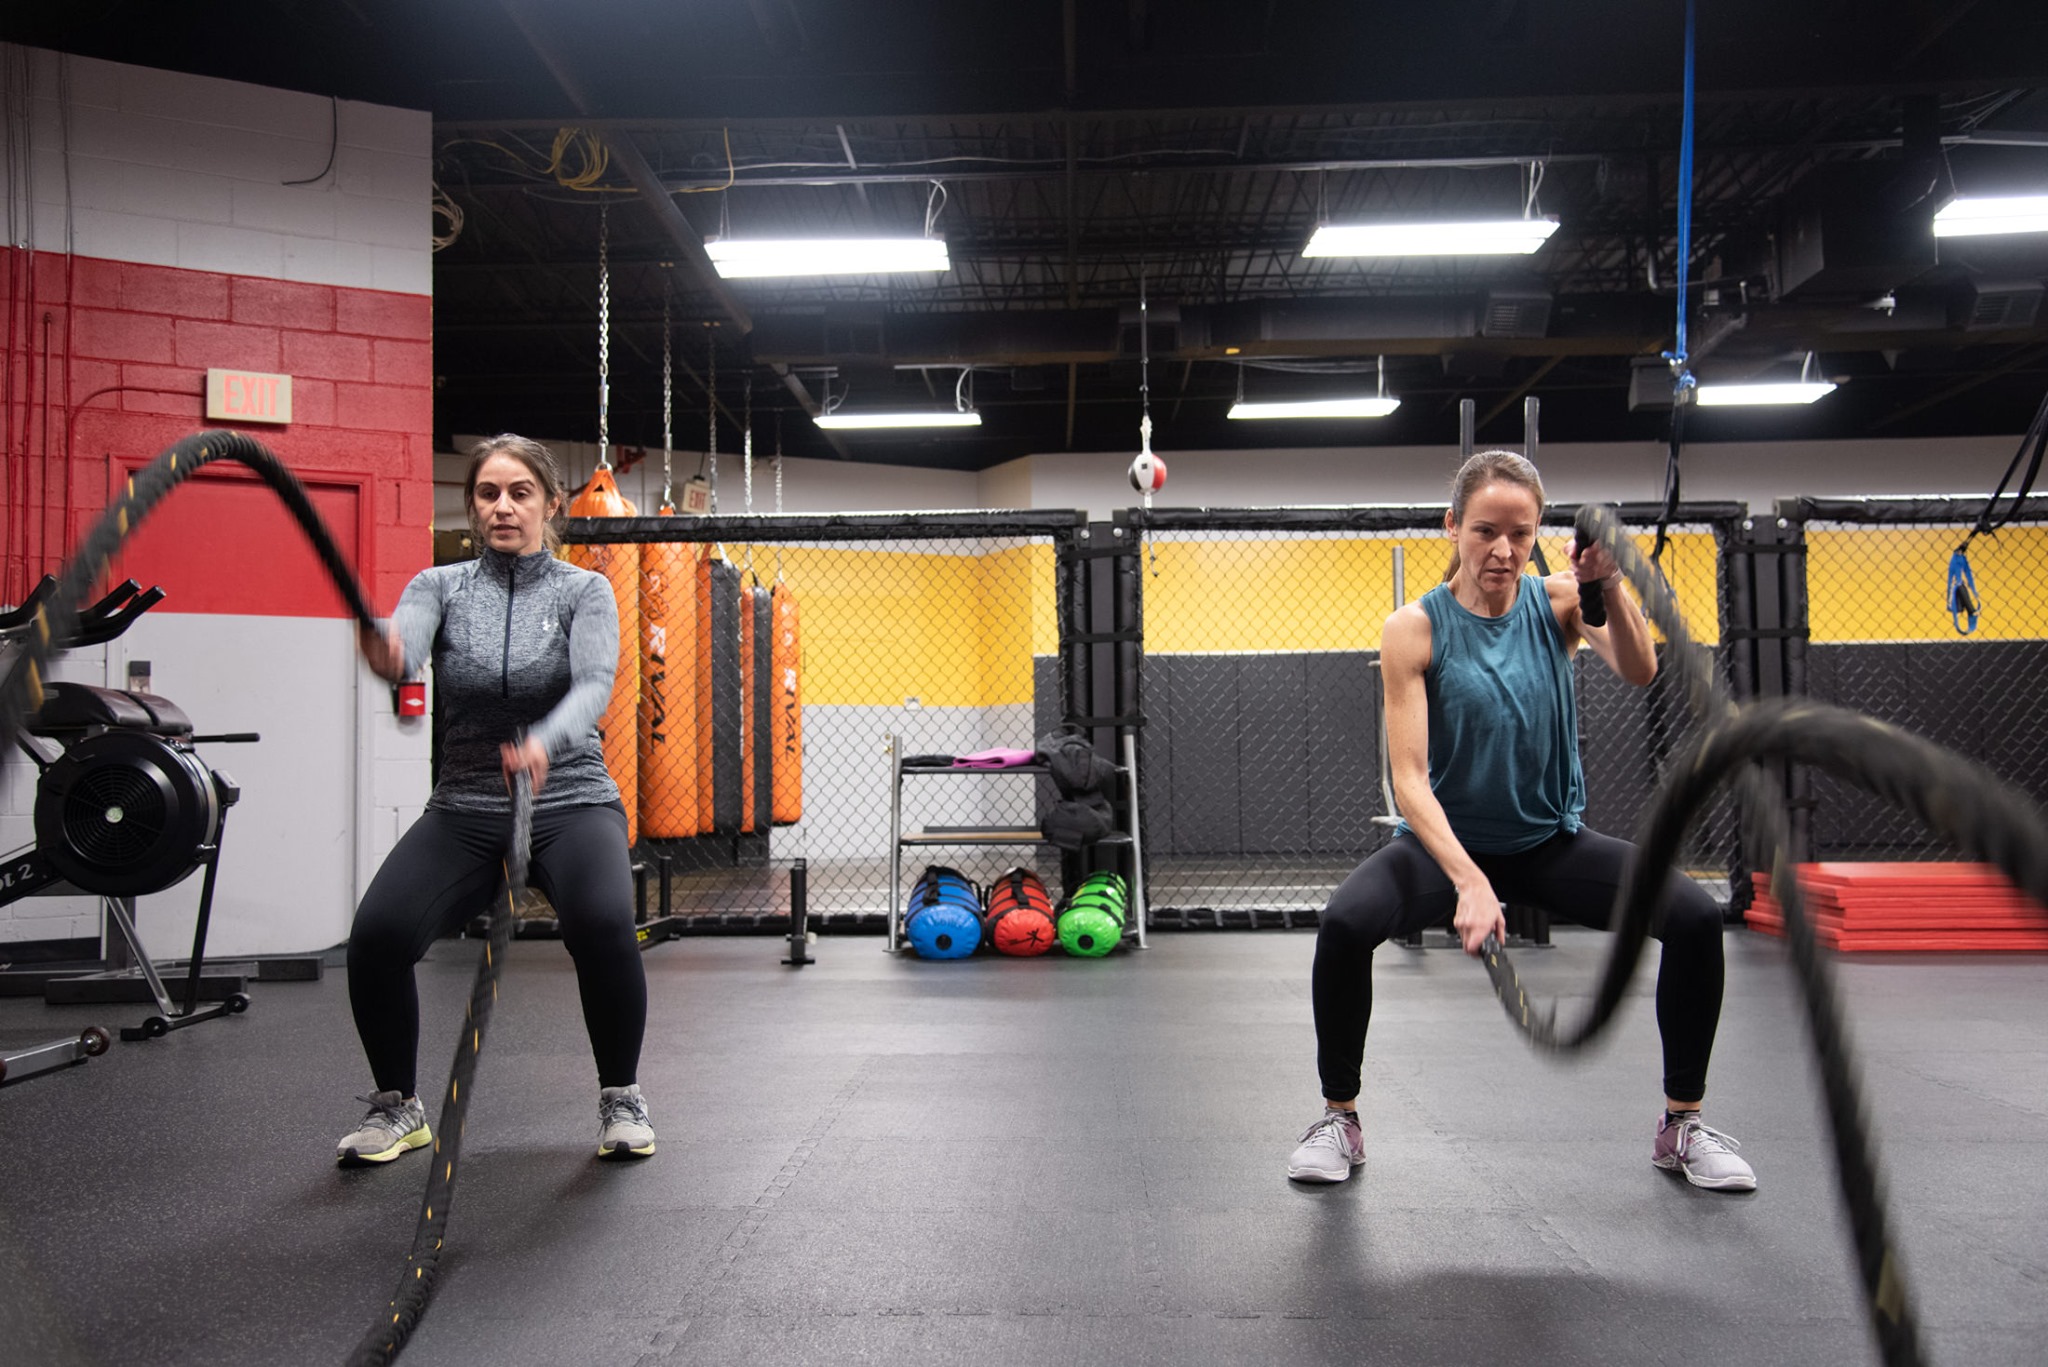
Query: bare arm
x=1404, y=655
x=1624, y=643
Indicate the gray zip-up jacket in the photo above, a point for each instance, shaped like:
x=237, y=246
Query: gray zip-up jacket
x=518, y=642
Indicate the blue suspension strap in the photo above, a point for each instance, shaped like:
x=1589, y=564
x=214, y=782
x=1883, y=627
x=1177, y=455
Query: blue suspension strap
x=1682, y=381
x=1964, y=602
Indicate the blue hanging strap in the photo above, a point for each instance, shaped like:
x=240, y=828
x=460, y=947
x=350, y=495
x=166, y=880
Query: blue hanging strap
x=1682, y=381
x=1963, y=603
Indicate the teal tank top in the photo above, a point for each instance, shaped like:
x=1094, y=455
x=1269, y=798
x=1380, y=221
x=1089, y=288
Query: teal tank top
x=1503, y=722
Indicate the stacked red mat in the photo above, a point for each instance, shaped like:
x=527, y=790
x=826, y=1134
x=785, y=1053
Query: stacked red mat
x=1909, y=907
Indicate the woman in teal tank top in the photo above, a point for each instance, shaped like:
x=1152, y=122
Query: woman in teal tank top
x=1482, y=739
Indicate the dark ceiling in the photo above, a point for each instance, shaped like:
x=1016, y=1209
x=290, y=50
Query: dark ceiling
x=1085, y=152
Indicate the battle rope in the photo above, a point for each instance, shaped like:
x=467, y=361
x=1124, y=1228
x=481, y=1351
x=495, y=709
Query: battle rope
x=383, y=1342
x=1980, y=814
x=55, y=628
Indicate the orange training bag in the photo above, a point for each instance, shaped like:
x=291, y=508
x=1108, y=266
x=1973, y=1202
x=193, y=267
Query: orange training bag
x=619, y=727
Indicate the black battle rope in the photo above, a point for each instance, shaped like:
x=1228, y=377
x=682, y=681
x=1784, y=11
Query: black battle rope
x=422, y=1265
x=55, y=627
x=1973, y=809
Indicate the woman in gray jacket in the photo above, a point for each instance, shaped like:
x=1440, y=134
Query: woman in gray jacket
x=524, y=648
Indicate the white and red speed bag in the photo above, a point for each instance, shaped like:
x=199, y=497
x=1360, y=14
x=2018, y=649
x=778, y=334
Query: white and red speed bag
x=1148, y=473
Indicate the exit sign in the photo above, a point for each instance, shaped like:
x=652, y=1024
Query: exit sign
x=248, y=396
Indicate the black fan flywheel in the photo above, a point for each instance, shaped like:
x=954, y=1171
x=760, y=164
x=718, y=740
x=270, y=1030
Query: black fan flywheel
x=125, y=812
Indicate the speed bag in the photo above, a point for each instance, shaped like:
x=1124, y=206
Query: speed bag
x=1092, y=923
x=1019, y=919
x=619, y=725
x=943, y=920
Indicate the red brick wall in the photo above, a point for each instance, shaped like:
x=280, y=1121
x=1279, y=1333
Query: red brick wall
x=128, y=350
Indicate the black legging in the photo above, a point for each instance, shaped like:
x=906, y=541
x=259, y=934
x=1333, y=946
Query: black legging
x=1400, y=890
x=444, y=870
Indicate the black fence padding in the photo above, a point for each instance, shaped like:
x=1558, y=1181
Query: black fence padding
x=727, y=697
x=1272, y=703
x=764, y=713
x=1343, y=792
x=1205, y=745
x=1984, y=699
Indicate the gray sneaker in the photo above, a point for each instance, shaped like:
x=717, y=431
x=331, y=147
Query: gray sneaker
x=623, y=1131
x=1329, y=1149
x=1705, y=1157
x=395, y=1125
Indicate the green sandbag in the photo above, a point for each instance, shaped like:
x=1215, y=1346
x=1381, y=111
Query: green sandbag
x=1092, y=925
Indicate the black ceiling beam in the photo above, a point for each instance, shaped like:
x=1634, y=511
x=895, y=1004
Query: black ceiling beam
x=637, y=170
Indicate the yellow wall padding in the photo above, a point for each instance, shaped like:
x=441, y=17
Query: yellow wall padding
x=787, y=710
x=1213, y=595
x=668, y=689
x=1891, y=584
x=949, y=630
x=619, y=727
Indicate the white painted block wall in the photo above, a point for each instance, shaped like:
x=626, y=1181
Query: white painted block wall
x=167, y=169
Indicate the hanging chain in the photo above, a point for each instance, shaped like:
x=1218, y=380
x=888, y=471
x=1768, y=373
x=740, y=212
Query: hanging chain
x=1145, y=402
x=747, y=459
x=604, y=339
x=778, y=490
x=667, y=405
x=711, y=410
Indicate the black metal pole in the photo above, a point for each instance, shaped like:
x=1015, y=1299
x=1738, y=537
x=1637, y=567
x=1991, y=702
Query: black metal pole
x=799, y=914
x=205, y=915
x=1074, y=604
x=1792, y=596
x=1127, y=622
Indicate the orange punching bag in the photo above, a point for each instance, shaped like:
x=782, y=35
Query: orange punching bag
x=706, y=787
x=668, y=688
x=619, y=727
x=787, y=709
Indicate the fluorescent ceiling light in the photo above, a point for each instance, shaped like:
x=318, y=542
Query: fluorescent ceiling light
x=748, y=259
x=1367, y=407
x=1738, y=395
x=1501, y=237
x=927, y=418
x=1977, y=217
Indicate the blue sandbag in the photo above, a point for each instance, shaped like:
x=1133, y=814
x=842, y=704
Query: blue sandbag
x=943, y=920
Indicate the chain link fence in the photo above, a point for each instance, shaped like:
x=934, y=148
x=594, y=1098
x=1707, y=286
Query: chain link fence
x=1261, y=772
x=765, y=663
x=1869, y=607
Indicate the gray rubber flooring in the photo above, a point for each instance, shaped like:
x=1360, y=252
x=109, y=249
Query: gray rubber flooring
x=1052, y=1161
